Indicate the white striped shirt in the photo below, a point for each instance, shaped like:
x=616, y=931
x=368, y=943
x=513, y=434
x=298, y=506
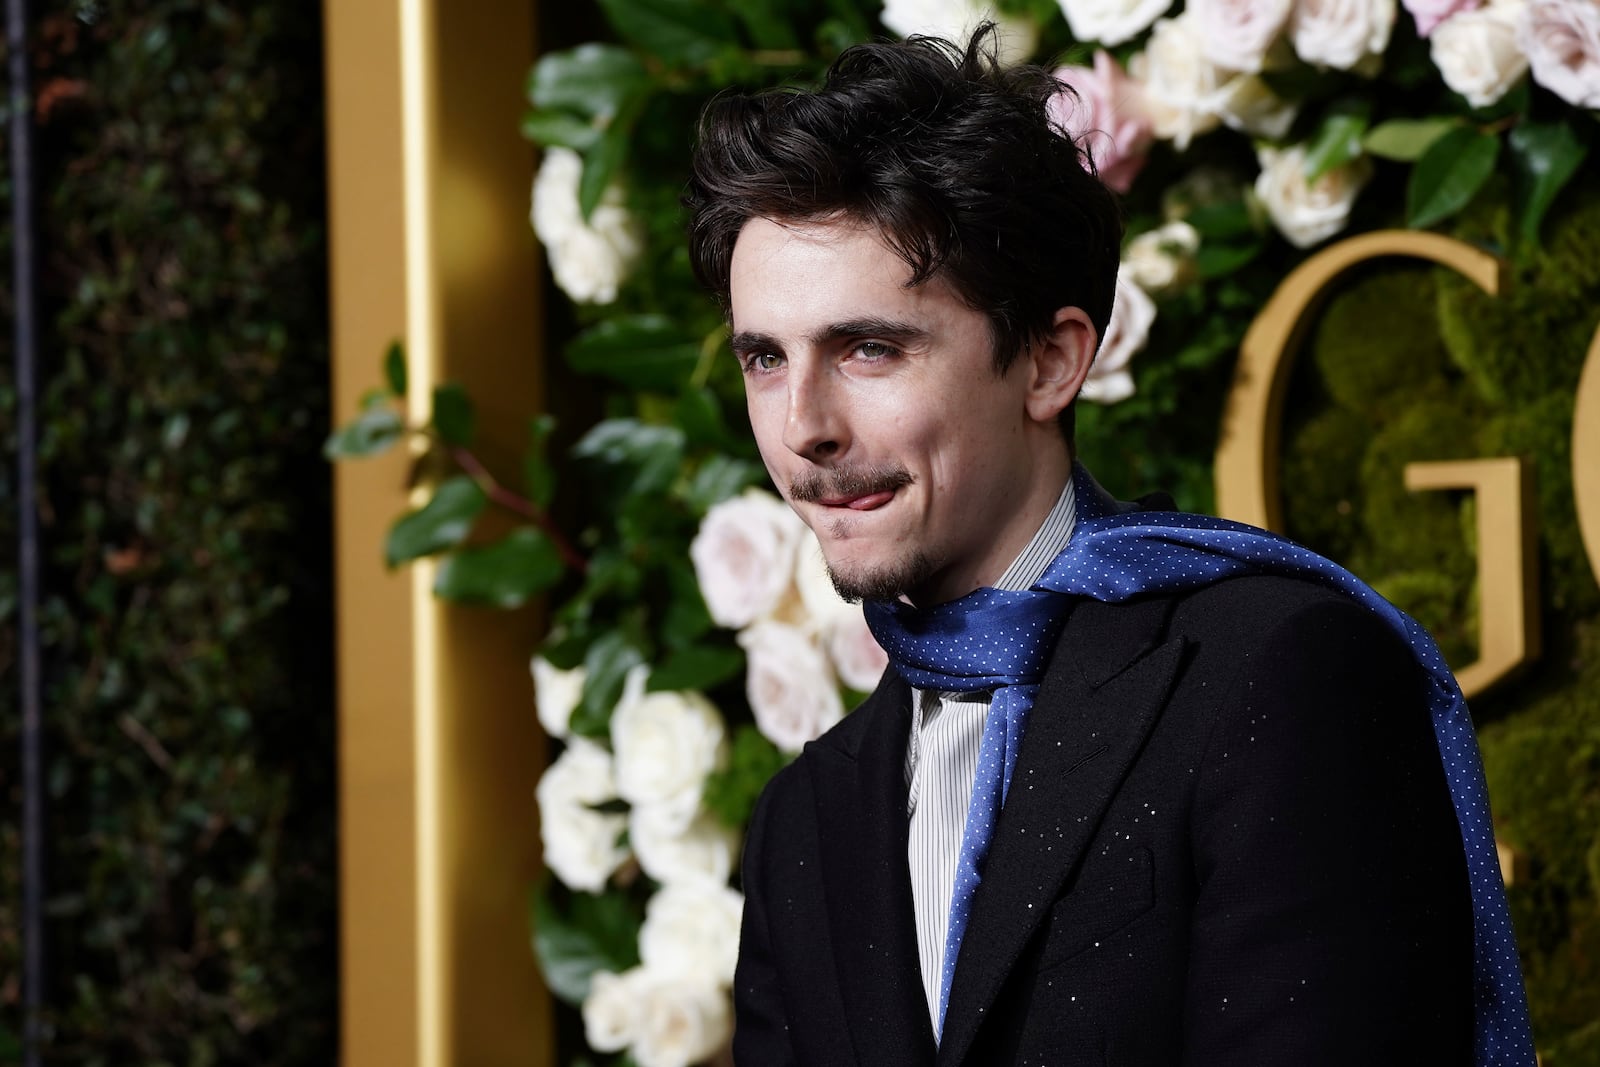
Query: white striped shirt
x=941, y=759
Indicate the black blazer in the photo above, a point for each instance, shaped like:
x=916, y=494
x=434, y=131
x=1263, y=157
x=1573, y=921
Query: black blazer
x=1228, y=840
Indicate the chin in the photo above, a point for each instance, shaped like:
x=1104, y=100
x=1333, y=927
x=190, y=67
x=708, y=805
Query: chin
x=857, y=581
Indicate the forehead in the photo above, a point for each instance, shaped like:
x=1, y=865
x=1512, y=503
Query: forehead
x=799, y=272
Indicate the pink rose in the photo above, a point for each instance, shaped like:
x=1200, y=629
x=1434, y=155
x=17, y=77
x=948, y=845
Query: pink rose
x=1562, y=42
x=1429, y=13
x=1108, y=118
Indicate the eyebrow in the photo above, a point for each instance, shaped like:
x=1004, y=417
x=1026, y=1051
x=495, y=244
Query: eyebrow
x=889, y=329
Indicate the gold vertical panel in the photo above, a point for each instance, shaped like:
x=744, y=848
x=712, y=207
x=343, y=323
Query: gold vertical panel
x=1586, y=454
x=1508, y=547
x=1248, y=456
x=439, y=746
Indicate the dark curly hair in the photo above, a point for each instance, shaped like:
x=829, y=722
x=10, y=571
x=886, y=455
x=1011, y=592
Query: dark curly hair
x=951, y=157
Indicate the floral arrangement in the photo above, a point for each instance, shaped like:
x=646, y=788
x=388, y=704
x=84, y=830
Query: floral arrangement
x=695, y=643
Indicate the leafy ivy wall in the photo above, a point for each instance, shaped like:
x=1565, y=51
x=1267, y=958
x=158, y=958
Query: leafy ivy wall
x=184, y=514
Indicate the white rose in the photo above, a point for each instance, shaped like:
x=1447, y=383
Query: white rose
x=1162, y=260
x=1111, y=21
x=1245, y=102
x=821, y=600
x=1180, y=85
x=556, y=694
x=1132, y=314
x=1308, y=212
x=701, y=852
x=1562, y=41
x=590, y=259
x=1235, y=34
x=691, y=931
x=683, y=1022
x=580, y=843
x=1477, y=53
x=954, y=20
x=665, y=744
x=792, y=692
x=857, y=657
x=613, y=1010
x=1340, y=33
x=743, y=556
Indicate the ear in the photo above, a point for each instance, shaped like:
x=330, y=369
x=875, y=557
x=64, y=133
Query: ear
x=1059, y=363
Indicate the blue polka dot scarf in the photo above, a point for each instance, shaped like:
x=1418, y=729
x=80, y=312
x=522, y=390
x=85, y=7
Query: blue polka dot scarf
x=1001, y=641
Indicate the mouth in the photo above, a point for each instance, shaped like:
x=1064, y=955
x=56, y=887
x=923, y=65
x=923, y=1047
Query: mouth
x=850, y=489
x=865, y=502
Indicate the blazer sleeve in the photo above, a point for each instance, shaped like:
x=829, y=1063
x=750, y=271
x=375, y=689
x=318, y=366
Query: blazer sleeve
x=1333, y=917
x=761, y=1035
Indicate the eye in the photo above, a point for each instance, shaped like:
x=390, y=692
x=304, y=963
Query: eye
x=760, y=362
x=875, y=350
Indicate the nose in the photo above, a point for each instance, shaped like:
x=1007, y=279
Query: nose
x=814, y=425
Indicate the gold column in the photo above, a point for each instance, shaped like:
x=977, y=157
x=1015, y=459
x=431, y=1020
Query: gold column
x=439, y=746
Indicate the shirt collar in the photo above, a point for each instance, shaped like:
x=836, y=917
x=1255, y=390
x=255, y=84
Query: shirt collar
x=1047, y=543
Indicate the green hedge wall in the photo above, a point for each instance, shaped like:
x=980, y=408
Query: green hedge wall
x=185, y=517
x=1412, y=363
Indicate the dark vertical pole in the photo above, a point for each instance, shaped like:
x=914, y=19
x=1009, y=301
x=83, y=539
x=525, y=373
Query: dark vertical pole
x=25, y=326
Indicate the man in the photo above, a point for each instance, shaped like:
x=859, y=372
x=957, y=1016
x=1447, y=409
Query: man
x=1129, y=793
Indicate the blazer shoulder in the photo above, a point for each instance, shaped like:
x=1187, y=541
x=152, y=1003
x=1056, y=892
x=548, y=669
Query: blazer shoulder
x=1253, y=609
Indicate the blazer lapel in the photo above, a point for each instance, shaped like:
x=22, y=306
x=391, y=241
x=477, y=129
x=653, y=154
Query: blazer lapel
x=861, y=816
x=1105, y=689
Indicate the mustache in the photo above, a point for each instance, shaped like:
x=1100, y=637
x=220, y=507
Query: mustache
x=812, y=486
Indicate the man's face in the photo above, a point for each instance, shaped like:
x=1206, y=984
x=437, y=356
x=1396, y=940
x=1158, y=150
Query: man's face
x=879, y=414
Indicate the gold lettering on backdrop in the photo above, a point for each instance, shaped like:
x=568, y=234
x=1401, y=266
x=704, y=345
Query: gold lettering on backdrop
x=1586, y=454
x=1508, y=546
x=1248, y=457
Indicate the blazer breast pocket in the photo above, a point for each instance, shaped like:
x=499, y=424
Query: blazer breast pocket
x=1113, y=891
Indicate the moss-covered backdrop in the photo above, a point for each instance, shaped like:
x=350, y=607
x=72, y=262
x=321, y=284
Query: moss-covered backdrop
x=184, y=515
x=1410, y=363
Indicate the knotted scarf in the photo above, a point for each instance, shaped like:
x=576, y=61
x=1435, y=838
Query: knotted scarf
x=1001, y=641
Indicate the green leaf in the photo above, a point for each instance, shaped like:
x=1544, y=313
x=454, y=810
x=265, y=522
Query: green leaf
x=719, y=478
x=1338, y=139
x=504, y=575
x=685, y=619
x=441, y=523
x=538, y=476
x=1230, y=218
x=699, y=413
x=593, y=79
x=602, y=163
x=678, y=32
x=752, y=761
x=452, y=414
x=1544, y=156
x=560, y=129
x=374, y=431
x=394, y=369
x=592, y=933
x=1219, y=260
x=606, y=665
x=639, y=351
x=1449, y=175
x=1406, y=140
x=768, y=27
x=697, y=667
x=643, y=457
